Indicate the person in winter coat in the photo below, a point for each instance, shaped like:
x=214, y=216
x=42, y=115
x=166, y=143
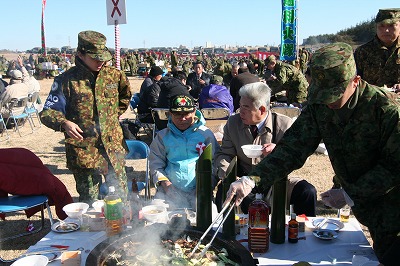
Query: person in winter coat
x=216, y=95
x=170, y=87
x=175, y=151
x=148, y=94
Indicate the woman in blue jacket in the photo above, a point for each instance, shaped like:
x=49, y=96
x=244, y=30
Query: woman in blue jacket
x=175, y=151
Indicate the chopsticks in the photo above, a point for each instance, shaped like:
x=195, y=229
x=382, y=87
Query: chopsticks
x=230, y=206
x=47, y=251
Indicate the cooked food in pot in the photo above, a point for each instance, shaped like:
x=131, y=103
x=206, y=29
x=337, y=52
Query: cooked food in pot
x=167, y=252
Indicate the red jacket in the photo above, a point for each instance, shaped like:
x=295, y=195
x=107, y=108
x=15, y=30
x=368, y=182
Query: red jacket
x=23, y=173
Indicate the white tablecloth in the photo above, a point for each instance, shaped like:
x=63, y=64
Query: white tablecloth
x=350, y=242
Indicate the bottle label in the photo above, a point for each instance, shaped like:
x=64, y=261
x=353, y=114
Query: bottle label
x=293, y=232
x=113, y=210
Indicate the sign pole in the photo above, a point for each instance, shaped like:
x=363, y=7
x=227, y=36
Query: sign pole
x=116, y=15
x=117, y=46
x=42, y=29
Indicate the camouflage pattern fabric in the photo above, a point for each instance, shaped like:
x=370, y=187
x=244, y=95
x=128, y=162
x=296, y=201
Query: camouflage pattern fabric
x=303, y=60
x=388, y=15
x=290, y=79
x=174, y=59
x=94, y=44
x=95, y=105
x=364, y=152
x=377, y=64
x=332, y=67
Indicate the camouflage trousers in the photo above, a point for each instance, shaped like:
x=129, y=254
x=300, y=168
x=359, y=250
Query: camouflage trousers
x=88, y=182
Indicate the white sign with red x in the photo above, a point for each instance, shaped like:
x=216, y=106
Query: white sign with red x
x=116, y=12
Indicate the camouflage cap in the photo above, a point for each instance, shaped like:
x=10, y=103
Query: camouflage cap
x=94, y=44
x=269, y=59
x=182, y=103
x=332, y=68
x=388, y=16
x=215, y=79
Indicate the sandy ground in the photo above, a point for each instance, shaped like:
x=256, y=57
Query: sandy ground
x=49, y=147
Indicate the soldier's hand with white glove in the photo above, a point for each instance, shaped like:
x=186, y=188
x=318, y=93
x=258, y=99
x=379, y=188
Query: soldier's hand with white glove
x=336, y=198
x=241, y=188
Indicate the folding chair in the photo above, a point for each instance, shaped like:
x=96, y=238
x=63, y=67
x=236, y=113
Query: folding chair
x=160, y=117
x=20, y=203
x=17, y=111
x=3, y=126
x=292, y=112
x=215, y=113
x=134, y=102
x=215, y=120
x=140, y=150
x=31, y=108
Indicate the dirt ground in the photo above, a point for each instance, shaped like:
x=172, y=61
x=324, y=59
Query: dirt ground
x=49, y=147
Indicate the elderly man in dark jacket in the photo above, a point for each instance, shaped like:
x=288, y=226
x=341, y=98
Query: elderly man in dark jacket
x=148, y=95
x=197, y=80
x=170, y=87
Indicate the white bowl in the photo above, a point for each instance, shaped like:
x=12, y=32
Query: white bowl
x=155, y=213
x=98, y=205
x=76, y=209
x=252, y=151
x=33, y=260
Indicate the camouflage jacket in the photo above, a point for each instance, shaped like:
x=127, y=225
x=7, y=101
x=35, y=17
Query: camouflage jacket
x=291, y=79
x=95, y=105
x=364, y=152
x=378, y=65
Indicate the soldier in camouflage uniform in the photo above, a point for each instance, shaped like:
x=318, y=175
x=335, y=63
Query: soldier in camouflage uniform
x=85, y=103
x=378, y=61
x=174, y=59
x=289, y=78
x=359, y=124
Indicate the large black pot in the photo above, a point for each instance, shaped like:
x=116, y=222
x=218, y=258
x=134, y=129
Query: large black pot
x=237, y=252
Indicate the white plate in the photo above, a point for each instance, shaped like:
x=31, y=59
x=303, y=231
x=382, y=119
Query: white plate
x=51, y=256
x=71, y=227
x=325, y=234
x=330, y=224
x=34, y=260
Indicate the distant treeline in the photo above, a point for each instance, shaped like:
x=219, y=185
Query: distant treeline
x=359, y=34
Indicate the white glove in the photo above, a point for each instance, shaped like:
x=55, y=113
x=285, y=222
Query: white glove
x=336, y=198
x=241, y=188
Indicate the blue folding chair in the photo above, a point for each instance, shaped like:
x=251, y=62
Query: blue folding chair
x=3, y=127
x=20, y=203
x=140, y=150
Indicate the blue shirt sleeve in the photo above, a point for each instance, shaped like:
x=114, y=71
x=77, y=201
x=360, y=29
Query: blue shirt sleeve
x=56, y=99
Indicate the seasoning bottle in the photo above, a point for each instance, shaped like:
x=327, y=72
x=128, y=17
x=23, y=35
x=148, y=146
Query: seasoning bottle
x=293, y=229
x=113, y=212
x=258, y=230
x=135, y=203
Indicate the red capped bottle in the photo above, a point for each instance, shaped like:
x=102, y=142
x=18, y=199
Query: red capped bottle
x=293, y=229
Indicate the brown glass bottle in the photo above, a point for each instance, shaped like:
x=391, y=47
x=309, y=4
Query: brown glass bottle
x=258, y=225
x=293, y=229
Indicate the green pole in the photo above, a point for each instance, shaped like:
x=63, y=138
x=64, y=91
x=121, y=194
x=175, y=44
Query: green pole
x=204, y=189
x=228, y=229
x=278, y=213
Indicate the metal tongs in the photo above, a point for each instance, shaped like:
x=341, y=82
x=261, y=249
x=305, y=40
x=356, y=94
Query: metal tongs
x=230, y=205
